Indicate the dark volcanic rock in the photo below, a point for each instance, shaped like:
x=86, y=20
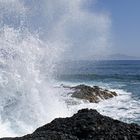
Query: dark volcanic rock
x=85, y=125
x=92, y=94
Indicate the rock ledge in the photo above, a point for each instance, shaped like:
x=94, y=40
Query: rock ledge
x=92, y=94
x=85, y=125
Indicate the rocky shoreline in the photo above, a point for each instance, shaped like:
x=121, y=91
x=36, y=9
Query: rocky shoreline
x=85, y=125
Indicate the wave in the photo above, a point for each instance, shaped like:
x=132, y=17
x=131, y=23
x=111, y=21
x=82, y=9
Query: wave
x=122, y=107
x=27, y=64
x=28, y=98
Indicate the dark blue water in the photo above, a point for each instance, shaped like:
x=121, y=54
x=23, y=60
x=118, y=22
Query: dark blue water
x=122, y=74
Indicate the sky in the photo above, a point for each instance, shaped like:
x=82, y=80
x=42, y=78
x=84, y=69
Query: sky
x=122, y=30
x=125, y=16
x=84, y=29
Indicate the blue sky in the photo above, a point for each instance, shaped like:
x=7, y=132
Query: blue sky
x=86, y=27
x=125, y=27
x=125, y=16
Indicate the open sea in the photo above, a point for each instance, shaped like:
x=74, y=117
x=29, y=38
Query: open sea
x=122, y=76
x=34, y=37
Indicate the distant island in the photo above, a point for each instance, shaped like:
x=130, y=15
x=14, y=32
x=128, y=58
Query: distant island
x=116, y=56
x=121, y=57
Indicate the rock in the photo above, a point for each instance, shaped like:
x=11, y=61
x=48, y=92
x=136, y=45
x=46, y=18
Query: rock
x=85, y=125
x=92, y=94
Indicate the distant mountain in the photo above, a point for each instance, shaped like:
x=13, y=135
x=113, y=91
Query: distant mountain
x=103, y=57
x=121, y=57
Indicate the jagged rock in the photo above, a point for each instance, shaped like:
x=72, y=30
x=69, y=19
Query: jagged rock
x=85, y=125
x=92, y=94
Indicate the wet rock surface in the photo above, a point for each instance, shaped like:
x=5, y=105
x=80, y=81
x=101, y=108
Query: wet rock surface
x=85, y=125
x=93, y=94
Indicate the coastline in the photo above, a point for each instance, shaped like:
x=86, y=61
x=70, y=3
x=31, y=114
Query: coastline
x=85, y=125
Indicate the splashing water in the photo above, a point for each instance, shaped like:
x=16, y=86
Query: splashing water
x=27, y=62
x=26, y=99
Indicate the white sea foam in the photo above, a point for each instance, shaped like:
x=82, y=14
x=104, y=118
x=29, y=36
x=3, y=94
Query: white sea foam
x=5, y=130
x=122, y=107
x=28, y=98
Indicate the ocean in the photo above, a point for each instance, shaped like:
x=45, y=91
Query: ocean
x=122, y=76
x=30, y=90
x=34, y=38
x=31, y=95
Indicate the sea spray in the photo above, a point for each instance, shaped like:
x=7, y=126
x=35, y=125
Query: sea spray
x=27, y=99
x=34, y=36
